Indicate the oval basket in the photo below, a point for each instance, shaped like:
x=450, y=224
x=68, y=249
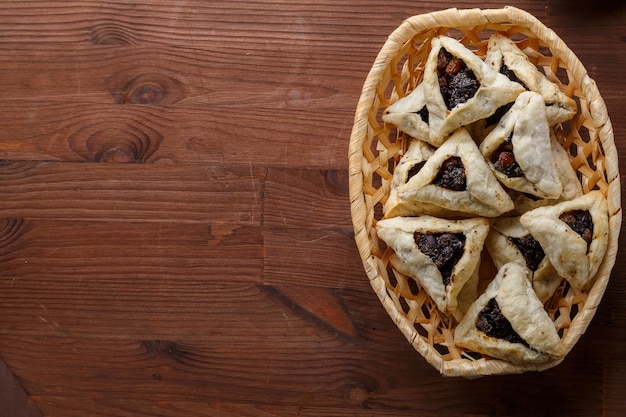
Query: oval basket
x=375, y=148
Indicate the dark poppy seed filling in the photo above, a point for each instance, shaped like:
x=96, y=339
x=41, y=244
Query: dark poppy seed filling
x=451, y=175
x=444, y=249
x=532, y=197
x=531, y=250
x=503, y=160
x=456, y=82
x=414, y=170
x=499, y=113
x=511, y=75
x=424, y=114
x=491, y=322
x=580, y=221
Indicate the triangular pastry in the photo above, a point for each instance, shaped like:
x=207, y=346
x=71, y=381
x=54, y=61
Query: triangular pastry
x=410, y=114
x=465, y=297
x=509, y=322
x=441, y=255
x=456, y=177
x=569, y=180
x=409, y=165
x=460, y=88
x=509, y=241
x=519, y=152
x=574, y=235
x=506, y=57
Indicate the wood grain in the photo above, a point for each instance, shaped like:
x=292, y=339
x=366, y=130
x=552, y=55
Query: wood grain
x=135, y=192
x=307, y=198
x=175, y=232
x=125, y=133
x=15, y=401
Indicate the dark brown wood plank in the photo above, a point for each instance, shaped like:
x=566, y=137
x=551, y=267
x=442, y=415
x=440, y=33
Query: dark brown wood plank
x=313, y=257
x=231, y=365
x=614, y=379
x=331, y=375
x=101, y=251
x=131, y=192
x=200, y=77
x=98, y=407
x=307, y=198
x=14, y=400
x=50, y=130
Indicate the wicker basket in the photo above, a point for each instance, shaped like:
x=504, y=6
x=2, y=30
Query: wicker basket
x=375, y=148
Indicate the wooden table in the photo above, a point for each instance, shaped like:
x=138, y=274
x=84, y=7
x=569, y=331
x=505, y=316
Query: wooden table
x=175, y=233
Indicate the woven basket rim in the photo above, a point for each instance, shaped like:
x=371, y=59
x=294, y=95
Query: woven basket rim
x=455, y=18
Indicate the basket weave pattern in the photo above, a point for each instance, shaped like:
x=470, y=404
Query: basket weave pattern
x=376, y=147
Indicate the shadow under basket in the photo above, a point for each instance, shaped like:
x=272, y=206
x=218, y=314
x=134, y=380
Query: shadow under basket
x=375, y=149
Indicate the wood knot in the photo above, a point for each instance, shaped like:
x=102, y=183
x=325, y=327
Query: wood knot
x=336, y=180
x=118, y=152
x=126, y=142
x=357, y=396
x=144, y=89
x=159, y=346
x=9, y=167
x=110, y=34
x=113, y=145
x=168, y=348
x=147, y=93
x=11, y=233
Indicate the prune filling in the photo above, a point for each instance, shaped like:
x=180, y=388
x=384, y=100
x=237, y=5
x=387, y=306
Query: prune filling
x=531, y=250
x=511, y=75
x=414, y=170
x=491, y=322
x=444, y=249
x=503, y=159
x=451, y=175
x=424, y=114
x=580, y=221
x=456, y=81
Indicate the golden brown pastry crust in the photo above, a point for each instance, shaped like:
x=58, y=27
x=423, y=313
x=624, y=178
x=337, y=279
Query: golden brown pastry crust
x=568, y=252
x=398, y=233
x=417, y=153
x=519, y=304
x=483, y=195
x=571, y=186
x=495, y=90
x=545, y=280
x=527, y=127
x=502, y=50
